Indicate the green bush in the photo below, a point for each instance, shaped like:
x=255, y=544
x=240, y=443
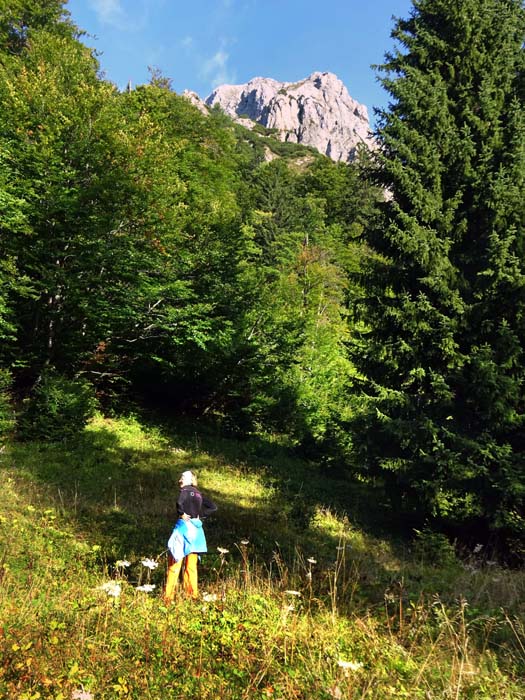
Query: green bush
x=7, y=421
x=58, y=408
x=434, y=548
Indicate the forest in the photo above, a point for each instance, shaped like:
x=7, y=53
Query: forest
x=370, y=314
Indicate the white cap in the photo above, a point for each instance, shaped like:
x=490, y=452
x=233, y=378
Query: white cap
x=187, y=478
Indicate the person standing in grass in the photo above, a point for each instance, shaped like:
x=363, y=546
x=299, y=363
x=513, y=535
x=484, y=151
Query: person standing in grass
x=187, y=540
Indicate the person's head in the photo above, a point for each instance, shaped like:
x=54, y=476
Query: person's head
x=188, y=478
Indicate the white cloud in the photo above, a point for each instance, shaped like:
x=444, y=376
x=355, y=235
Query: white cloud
x=109, y=11
x=216, y=70
x=187, y=42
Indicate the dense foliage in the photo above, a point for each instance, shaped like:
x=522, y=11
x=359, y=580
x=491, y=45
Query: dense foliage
x=168, y=256
x=443, y=351
x=150, y=248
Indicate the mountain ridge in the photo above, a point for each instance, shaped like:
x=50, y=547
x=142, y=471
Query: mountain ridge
x=315, y=111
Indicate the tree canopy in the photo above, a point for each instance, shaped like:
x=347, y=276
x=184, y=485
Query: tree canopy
x=443, y=339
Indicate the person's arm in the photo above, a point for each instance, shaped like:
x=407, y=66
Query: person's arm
x=208, y=507
x=180, y=503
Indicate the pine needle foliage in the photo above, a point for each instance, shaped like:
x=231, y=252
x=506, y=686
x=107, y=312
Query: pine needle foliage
x=443, y=350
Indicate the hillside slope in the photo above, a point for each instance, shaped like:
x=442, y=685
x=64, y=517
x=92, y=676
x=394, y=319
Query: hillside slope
x=324, y=611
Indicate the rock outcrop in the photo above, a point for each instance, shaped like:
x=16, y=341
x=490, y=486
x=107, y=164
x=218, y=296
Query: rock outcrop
x=196, y=101
x=316, y=111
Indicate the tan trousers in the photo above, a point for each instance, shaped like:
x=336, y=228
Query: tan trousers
x=190, y=576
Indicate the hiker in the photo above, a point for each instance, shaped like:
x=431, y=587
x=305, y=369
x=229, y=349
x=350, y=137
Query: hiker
x=187, y=540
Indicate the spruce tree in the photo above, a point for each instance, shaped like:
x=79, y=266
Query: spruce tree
x=441, y=417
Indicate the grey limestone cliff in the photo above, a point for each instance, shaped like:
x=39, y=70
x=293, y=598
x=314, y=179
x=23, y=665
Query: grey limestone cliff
x=316, y=111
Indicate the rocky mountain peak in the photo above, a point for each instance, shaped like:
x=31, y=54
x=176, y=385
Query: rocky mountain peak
x=316, y=111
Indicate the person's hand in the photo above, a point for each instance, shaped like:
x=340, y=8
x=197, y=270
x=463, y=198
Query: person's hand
x=185, y=516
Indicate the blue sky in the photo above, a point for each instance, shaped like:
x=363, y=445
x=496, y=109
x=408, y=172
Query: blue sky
x=203, y=43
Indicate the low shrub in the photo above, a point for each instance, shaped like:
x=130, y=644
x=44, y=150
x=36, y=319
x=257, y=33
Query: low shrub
x=434, y=548
x=7, y=417
x=57, y=409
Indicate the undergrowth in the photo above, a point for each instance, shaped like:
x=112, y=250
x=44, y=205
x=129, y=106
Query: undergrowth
x=297, y=600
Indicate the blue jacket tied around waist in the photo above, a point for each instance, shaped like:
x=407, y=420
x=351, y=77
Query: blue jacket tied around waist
x=187, y=538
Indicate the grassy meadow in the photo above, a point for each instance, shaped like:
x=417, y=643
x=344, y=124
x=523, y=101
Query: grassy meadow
x=307, y=591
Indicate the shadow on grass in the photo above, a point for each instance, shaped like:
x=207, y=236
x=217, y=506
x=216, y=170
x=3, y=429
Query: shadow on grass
x=123, y=497
x=305, y=484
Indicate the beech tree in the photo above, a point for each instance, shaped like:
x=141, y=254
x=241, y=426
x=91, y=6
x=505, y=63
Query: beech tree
x=442, y=415
x=147, y=245
x=19, y=19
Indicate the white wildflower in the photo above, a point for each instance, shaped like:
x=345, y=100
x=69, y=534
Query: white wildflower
x=349, y=665
x=470, y=567
x=122, y=563
x=112, y=588
x=311, y=560
x=209, y=597
x=335, y=692
x=293, y=593
x=150, y=563
x=146, y=587
x=222, y=550
x=81, y=695
x=478, y=548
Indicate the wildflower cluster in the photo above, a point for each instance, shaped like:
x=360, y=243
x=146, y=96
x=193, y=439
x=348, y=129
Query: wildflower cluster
x=113, y=588
x=150, y=564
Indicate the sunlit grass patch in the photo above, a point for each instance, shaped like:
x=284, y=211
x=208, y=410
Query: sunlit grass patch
x=291, y=608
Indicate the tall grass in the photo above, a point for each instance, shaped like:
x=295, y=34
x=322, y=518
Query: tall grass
x=304, y=604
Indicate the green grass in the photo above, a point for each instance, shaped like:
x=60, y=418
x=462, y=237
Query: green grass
x=375, y=617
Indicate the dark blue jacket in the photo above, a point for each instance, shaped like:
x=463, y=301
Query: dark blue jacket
x=193, y=503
